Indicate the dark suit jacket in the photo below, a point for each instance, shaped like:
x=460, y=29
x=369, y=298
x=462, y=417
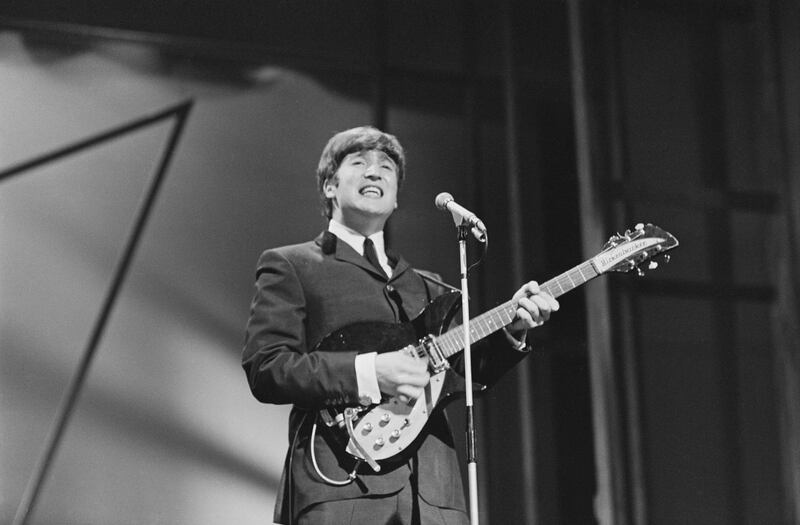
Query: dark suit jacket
x=305, y=291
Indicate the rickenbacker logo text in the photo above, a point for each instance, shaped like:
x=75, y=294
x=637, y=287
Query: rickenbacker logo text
x=607, y=260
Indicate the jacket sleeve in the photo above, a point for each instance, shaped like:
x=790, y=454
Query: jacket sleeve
x=280, y=367
x=493, y=357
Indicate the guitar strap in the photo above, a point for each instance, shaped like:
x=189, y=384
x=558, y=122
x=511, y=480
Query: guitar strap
x=428, y=277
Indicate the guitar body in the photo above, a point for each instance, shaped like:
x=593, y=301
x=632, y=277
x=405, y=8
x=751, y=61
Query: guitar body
x=390, y=429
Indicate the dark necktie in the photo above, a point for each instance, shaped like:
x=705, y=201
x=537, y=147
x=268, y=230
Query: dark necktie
x=372, y=256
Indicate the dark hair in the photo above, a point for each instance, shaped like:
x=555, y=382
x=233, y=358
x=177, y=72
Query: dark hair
x=342, y=144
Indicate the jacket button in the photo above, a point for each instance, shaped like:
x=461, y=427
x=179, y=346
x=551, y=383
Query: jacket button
x=389, y=288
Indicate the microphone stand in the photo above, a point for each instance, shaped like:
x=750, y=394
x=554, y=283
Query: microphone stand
x=472, y=467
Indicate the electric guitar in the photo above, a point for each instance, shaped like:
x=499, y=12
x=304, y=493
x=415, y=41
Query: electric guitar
x=383, y=431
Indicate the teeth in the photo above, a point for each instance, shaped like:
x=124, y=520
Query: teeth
x=371, y=190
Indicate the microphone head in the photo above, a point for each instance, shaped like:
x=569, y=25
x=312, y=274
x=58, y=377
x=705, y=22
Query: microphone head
x=442, y=199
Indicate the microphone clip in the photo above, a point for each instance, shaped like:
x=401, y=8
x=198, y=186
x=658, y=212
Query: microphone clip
x=465, y=228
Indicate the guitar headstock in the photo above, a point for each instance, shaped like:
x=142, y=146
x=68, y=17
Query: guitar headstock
x=646, y=243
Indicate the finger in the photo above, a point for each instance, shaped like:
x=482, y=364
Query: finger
x=543, y=305
x=408, y=392
x=546, y=303
x=551, y=301
x=416, y=378
x=410, y=365
x=528, y=289
x=415, y=362
x=554, y=304
x=420, y=379
x=533, y=309
x=525, y=318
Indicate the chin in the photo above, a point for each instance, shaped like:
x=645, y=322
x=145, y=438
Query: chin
x=377, y=208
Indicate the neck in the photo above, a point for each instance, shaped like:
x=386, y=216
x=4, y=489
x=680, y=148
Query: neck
x=366, y=226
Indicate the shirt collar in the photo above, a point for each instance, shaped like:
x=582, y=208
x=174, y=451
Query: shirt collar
x=356, y=240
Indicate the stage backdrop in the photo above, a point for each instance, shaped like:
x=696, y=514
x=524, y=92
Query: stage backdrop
x=166, y=430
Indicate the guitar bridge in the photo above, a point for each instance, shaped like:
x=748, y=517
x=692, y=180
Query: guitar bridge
x=436, y=358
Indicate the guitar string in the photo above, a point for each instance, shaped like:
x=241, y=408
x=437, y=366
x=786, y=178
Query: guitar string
x=452, y=341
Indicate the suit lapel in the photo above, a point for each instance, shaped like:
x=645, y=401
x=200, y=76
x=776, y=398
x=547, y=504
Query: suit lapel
x=400, y=265
x=342, y=251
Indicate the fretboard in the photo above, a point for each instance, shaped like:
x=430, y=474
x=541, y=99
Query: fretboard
x=452, y=341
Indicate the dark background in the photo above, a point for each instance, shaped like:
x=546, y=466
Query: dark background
x=668, y=399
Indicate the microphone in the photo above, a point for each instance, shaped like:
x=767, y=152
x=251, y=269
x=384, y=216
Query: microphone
x=444, y=201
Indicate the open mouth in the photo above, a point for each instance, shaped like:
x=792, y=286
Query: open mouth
x=371, y=191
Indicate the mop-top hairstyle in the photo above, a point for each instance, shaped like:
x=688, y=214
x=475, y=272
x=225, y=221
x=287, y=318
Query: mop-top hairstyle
x=342, y=144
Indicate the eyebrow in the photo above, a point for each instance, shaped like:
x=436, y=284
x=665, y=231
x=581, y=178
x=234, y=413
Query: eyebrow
x=361, y=153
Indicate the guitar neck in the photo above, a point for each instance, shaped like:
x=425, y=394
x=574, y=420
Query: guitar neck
x=452, y=341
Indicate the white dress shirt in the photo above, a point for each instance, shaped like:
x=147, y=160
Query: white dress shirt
x=366, y=377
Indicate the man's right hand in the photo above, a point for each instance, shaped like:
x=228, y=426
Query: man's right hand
x=401, y=375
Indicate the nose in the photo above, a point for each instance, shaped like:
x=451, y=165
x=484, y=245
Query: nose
x=371, y=171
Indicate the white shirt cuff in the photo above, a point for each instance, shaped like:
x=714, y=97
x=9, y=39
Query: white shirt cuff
x=368, y=390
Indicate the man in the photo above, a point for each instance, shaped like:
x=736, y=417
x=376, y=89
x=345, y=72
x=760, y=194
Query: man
x=306, y=291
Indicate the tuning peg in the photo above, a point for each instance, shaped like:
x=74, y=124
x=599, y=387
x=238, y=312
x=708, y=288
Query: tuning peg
x=639, y=227
x=652, y=266
x=613, y=241
x=639, y=272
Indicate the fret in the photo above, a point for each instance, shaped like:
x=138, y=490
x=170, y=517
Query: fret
x=447, y=346
x=559, y=285
x=452, y=341
x=455, y=343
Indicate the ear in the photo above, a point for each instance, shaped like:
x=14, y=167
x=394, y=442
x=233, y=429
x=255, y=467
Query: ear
x=330, y=187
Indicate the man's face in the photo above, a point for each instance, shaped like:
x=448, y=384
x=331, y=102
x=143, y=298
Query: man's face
x=363, y=188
